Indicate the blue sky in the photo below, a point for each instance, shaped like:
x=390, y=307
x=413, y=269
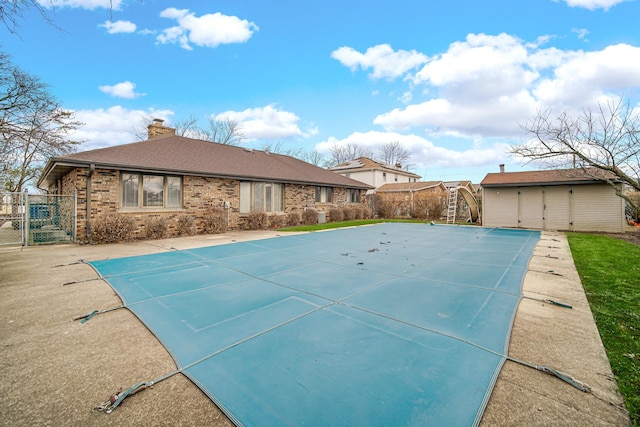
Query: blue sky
x=450, y=80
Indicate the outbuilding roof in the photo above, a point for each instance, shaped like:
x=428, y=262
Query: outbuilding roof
x=545, y=177
x=173, y=154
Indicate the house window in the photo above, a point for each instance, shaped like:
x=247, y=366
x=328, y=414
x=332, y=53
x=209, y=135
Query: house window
x=151, y=191
x=353, y=196
x=261, y=197
x=324, y=194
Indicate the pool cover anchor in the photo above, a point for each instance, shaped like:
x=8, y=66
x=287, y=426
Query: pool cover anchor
x=80, y=261
x=86, y=317
x=116, y=398
x=108, y=406
x=85, y=280
x=549, y=301
x=583, y=387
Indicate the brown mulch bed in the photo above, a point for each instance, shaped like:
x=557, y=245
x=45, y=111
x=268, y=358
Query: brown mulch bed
x=632, y=235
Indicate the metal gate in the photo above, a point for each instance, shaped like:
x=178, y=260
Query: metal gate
x=12, y=216
x=32, y=219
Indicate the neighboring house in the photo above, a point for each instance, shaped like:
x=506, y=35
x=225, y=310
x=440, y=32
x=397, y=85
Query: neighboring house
x=410, y=197
x=566, y=199
x=170, y=176
x=375, y=174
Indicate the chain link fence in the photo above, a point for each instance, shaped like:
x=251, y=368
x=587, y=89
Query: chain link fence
x=32, y=219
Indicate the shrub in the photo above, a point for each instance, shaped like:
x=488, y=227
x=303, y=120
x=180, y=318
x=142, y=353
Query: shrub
x=257, y=221
x=429, y=206
x=112, y=228
x=278, y=221
x=358, y=212
x=336, y=214
x=387, y=209
x=186, y=225
x=215, y=221
x=293, y=219
x=310, y=217
x=156, y=228
x=349, y=214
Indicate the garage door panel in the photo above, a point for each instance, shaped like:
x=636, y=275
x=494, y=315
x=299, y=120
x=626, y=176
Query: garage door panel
x=557, y=208
x=597, y=208
x=531, y=207
x=500, y=207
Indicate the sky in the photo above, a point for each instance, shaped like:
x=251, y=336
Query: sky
x=453, y=81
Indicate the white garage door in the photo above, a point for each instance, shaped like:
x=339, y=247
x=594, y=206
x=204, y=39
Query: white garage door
x=557, y=208
x=530, y=207
x=500, y=207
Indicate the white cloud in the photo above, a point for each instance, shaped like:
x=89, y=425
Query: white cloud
x=113, y=126
x=585, y=77
x=119, y=27
x=581, y=32
x=498, y=116
x=268, y=123
x=210, y=30
x=594, y=4
x=124, y=89
x=424, y=153
x=83, y=4
x=489, y=85
x=385, y=62
x=481, y=66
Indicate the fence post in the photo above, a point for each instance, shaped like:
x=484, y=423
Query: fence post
x=26, y=221
x=75, y=215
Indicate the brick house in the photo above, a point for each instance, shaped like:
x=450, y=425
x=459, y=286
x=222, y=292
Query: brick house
x=171, y=176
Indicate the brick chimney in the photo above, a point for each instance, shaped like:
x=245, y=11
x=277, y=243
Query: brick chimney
x=156, y=129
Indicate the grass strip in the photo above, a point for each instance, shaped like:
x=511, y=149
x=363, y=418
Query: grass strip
x=610, y=273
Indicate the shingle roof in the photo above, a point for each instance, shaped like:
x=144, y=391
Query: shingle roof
x=410, y=186
x=180, y=155
x=365, y=163
x=556, y=176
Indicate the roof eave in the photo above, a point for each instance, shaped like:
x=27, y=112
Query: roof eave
x=61, y=162
x=533, y=184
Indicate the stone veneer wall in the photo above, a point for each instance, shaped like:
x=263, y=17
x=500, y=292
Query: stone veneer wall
x=199, y=194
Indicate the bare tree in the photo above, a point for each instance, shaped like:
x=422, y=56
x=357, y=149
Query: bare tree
x=604, y=143
x=33, y=126
x=11, y=12
x=225, y=130
x=344, y=153
x=393, y=153
x=187, y=127
x=315, y=158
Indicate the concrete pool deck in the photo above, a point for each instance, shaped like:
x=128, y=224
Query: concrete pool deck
x=54, y=370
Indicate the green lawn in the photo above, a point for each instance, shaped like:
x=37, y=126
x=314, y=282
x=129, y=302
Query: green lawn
x=610, y=272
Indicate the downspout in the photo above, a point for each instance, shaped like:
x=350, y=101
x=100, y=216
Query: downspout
x=92, y=168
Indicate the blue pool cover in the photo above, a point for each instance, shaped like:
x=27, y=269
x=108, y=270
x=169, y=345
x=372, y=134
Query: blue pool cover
x=392, y=324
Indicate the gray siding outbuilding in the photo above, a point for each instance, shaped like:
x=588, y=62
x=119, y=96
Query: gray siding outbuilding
x=568, y=199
